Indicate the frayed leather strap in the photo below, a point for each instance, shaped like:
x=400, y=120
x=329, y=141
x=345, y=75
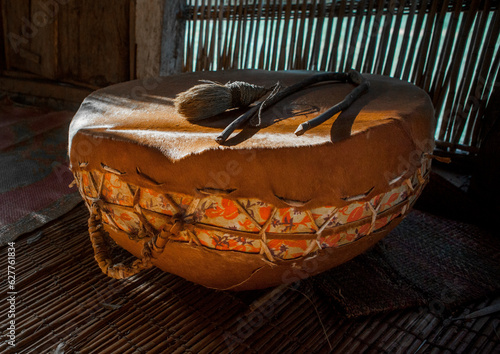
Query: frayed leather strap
x=102, y=252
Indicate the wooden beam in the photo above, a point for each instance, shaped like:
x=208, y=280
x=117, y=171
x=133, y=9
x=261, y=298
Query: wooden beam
x=3, y=57
x=43, y=88
x=148, y=36
x=173, y=34
x=132, y=42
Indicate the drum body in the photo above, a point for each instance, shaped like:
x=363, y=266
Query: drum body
x=266, y=208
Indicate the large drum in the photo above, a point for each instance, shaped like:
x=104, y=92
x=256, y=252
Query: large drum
x=265, y=208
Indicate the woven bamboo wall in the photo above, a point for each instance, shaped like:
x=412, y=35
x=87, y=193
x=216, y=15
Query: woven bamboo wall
x=449, y=48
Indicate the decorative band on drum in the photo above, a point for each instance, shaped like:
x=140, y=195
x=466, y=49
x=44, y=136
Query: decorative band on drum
x=242, y=224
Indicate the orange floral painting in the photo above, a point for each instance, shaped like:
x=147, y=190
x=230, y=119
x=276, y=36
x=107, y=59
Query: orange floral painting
x=116, y=191
x=232, y=218
x=225, y=213
x=291, y=220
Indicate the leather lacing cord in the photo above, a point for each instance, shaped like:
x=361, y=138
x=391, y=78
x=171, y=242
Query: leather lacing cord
x=155, y=241
x=102, y=251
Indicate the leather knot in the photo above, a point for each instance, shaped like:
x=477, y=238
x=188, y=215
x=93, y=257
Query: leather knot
x=179, y=224
x=177, y=227
x=94, y=208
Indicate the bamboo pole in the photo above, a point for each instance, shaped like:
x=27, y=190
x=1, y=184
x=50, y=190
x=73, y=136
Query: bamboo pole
x=188, y=45
x=300, y=45
x=308, y=38
x=366, y=30
x=451, y=79
x=294, y=41
x=472, y=130
x=436, y=45
x=389, y=61
x=201, y=44
x=264, y=50
x=360, y=13
x=441, y=67
x=423, y=51
x=462, y=110
x=244, y=46
x=347, y=35
x=235, y=63
x=327, y=40
x=276, y=30
x=370, y=55
x=410, y=60
x=336, y=37
x=256, y=45
x=314, y=58
x=230, y=47
x=386, y=30
x=248, y=38
x=286, y=38
x=406, y=39
x=208, y=41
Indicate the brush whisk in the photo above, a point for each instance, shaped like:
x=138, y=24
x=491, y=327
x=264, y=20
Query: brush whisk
x=210, y=98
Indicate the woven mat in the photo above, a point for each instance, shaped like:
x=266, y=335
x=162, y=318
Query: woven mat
x=425, y=260
x=34, y=175
x=65, y=304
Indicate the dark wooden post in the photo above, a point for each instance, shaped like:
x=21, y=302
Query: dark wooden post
x=173, y=33
x=159, y=37
x=148, y=28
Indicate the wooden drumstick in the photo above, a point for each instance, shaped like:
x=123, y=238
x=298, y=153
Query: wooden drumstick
x=211, y=98
x=354, y=77
x=278, y=97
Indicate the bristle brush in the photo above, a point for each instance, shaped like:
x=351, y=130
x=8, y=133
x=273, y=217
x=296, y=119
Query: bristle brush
x=210, y=98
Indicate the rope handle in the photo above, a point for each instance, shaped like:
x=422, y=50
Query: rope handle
x=102, y=252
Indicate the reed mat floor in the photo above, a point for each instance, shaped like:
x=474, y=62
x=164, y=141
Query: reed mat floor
x=64, y=304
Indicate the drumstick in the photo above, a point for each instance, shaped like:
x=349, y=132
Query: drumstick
x=354, y=77
x=261, y=106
